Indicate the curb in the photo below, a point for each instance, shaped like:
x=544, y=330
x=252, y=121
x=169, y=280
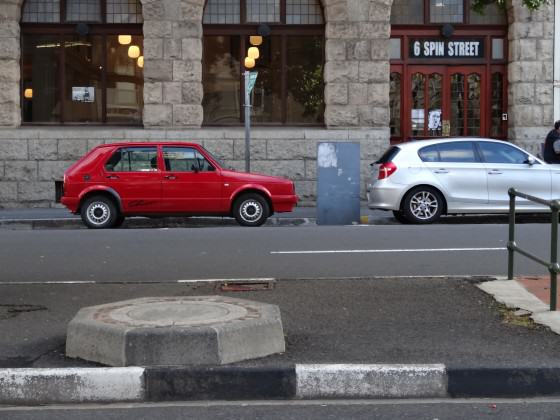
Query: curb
x=301, y=381
x=140, y=222
x=515, y=296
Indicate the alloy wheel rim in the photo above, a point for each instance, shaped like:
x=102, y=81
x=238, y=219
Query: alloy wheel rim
x=251, y=211
x=98, y=213
x=424, y=205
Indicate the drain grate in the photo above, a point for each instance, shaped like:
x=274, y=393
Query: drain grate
x=244, y=286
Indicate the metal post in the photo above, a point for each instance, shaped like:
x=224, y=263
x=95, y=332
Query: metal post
x=511, y=240
x=247, y=124
x=553, y=256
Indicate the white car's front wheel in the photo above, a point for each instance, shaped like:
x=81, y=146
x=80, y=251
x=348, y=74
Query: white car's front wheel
x=423, y=205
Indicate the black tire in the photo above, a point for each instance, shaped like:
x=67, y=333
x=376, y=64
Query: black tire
x=399, y=215
x=119, y=221
x=99, y=212
x=422, y=205
x=251, y=210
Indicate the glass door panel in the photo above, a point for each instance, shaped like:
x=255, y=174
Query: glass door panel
x=395, y=104
x=457, y=105
x=446, y=101
x=467, y=118
x=434, y=104
x=426, y=103
x=473, y=112
x=418, y=82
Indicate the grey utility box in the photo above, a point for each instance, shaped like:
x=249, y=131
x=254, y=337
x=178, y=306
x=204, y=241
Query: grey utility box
x=338, y=183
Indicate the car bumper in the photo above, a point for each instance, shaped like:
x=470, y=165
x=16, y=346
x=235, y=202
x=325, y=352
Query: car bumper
x=71, y=203
x=284, y=203
x=384, y=197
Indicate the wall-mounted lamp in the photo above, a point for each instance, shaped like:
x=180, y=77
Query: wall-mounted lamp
x=140, y=61
x=249, y=62
x=28, y=93
x=253, y=53
x=125, y=39
x=134, y=51
x=255, y=39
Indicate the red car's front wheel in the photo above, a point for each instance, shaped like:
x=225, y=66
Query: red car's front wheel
x=251, y=210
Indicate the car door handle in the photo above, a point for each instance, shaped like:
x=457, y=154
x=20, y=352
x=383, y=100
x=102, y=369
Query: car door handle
x=441, y=171
x=170, y=177
x=112, y=177
x=495, y=172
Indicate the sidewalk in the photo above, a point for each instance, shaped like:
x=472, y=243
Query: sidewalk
x=364, y=338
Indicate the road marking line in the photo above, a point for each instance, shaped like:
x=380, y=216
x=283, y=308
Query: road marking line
x=380, y=251
x=190, y=281
x=234, y=280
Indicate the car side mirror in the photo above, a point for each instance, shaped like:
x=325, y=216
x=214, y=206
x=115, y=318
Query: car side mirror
x=530, y=161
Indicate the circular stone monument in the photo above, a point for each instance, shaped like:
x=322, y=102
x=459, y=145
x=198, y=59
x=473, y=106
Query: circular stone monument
x=197, y=330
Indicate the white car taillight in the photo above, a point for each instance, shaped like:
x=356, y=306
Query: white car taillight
x=386, y=170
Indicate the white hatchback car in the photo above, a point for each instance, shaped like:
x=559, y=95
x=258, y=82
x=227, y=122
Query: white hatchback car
x=421, y=180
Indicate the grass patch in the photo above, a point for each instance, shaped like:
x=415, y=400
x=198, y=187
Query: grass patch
x=510, y=318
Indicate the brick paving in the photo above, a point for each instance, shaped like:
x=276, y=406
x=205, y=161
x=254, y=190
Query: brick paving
x=539, y=286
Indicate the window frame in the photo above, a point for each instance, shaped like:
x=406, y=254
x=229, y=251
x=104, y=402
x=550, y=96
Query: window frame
x=64, y=30
x=466, y=18
x=283, y=30
x=480, y=145
x=438, y=146
x=125, y=149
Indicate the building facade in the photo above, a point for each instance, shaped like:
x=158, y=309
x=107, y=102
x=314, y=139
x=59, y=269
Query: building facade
x=369, y=71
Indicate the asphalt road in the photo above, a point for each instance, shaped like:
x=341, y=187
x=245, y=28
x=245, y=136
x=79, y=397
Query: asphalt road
x=535, y=409
x=396, y=320
x=169, y=255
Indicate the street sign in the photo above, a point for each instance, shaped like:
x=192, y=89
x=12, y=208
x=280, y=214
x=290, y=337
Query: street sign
x=252, y=80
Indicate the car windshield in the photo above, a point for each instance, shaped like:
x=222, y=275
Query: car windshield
x=214, y=158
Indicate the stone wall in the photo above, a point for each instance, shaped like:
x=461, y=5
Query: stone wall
x=530, y=74
x=10, y=114
x=357, y=63
x=32, y=159
x=172, y=63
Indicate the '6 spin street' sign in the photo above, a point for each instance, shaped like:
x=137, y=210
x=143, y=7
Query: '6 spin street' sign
x=455, y=48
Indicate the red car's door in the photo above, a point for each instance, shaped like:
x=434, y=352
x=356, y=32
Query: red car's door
x=133, y=173
x=191, y=184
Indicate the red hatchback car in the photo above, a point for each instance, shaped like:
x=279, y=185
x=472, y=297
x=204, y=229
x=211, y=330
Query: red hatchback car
x=117, y=180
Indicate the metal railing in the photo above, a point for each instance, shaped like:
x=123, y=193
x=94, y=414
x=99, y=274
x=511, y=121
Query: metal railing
x=552, y=265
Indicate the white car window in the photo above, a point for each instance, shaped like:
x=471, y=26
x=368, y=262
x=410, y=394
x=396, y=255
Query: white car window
x=501, y=153
x=458, y=152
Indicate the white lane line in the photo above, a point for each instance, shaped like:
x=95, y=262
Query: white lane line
x=189, y=281
x=232, y=280
x=381, y=251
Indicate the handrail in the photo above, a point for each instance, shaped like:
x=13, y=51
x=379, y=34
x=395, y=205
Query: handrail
x=552, y=265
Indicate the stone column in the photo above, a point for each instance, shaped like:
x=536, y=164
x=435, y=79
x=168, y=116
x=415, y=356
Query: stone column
x=357, y=63
x=10, y=115
x=530, y=74
x=173, y=63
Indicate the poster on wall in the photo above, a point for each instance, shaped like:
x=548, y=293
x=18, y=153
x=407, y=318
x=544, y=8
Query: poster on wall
x=83, y=94
x=434, y=120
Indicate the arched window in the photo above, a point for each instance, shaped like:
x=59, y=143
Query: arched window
x=419, y=12
x=82, y=62
x=289, y=86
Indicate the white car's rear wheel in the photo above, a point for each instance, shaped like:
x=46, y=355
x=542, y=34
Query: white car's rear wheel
x=423, y=205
